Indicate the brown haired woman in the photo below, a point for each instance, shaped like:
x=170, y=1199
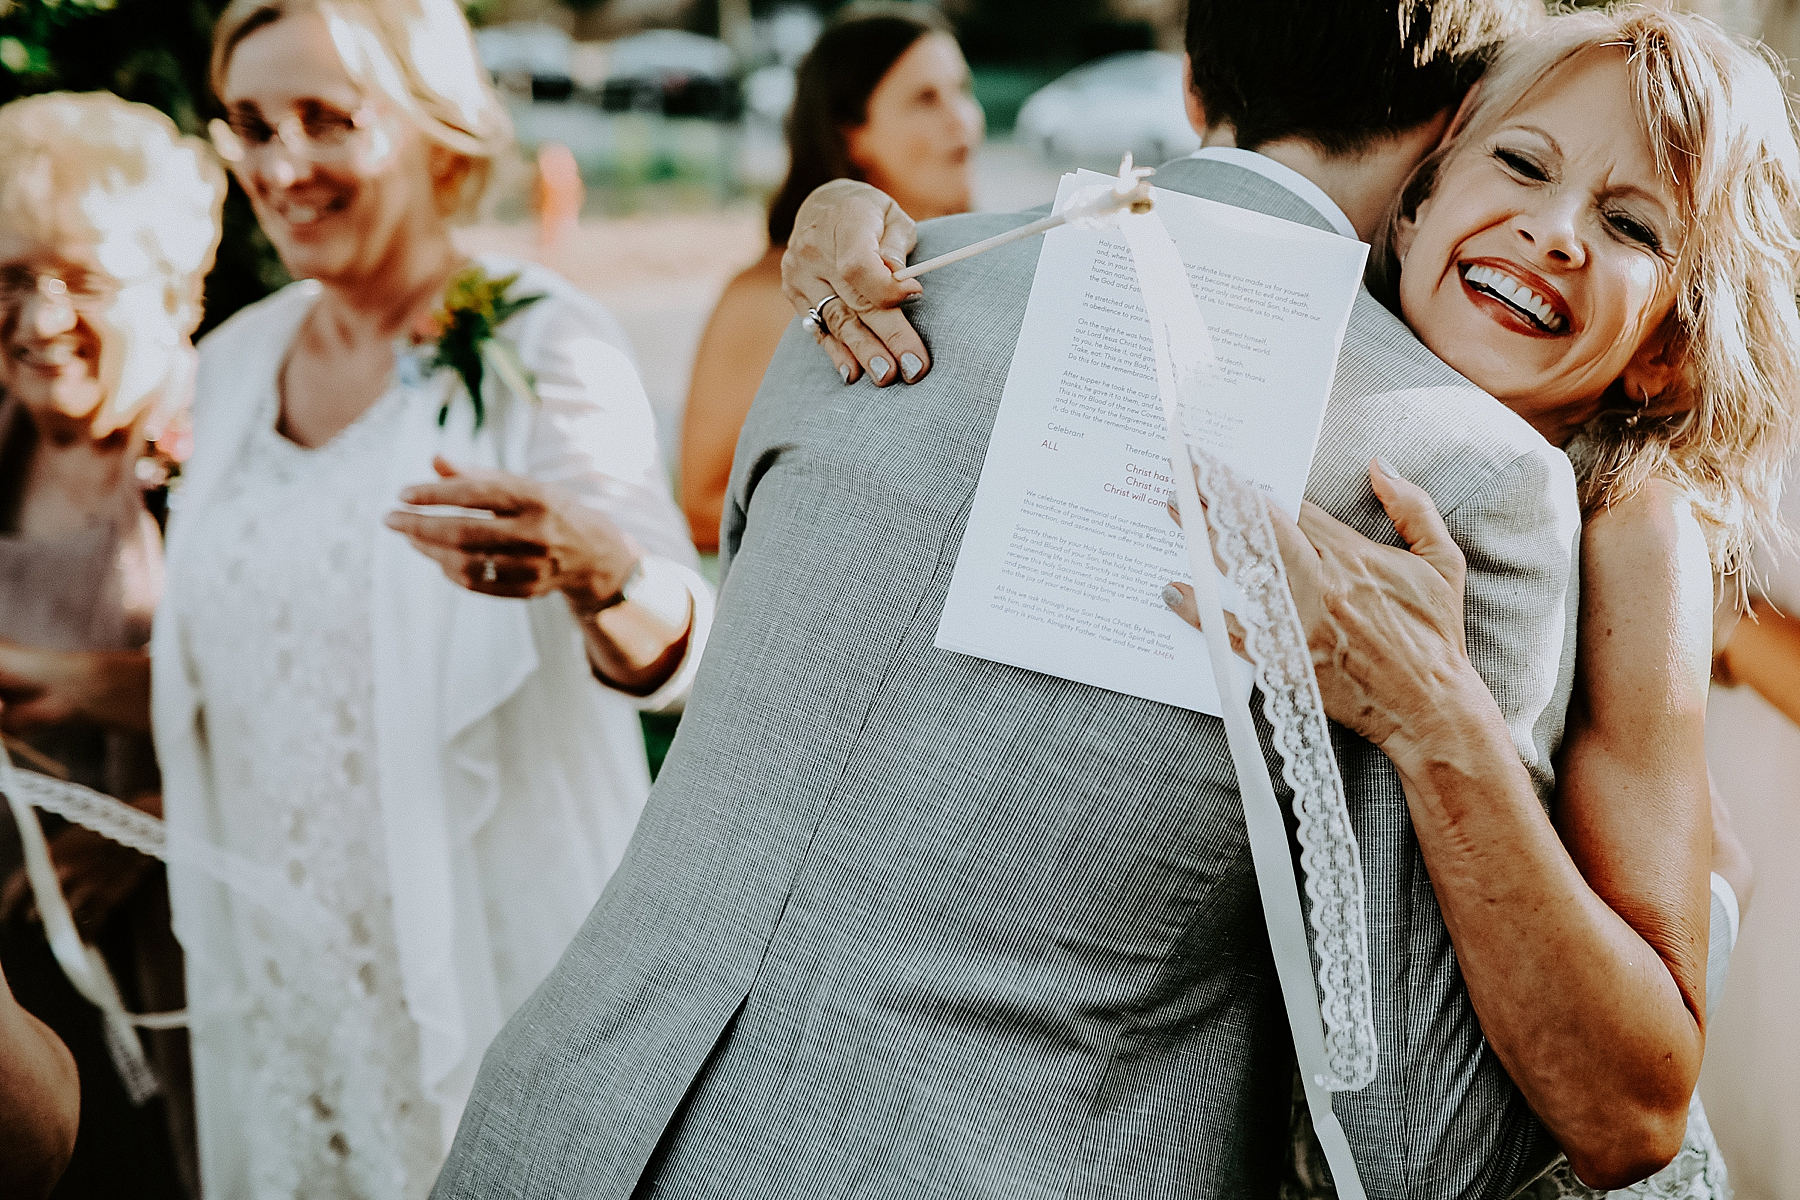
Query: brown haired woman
x=883, y=97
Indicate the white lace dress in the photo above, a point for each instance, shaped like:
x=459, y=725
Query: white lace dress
x=275, y=616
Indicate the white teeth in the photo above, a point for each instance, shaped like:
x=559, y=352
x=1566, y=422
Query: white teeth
x=56, y=354
x=301, y=215
x=1517, y=294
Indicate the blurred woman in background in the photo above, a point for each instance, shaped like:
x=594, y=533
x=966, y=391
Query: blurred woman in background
x=109, y=219
x=424, y=718
x=885, y=97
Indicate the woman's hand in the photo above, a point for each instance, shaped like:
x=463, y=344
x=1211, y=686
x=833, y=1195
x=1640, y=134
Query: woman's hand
x=849, y=238
x=41, y=688
x=542, y=540
x=96, y=873
x=1385, y=625
x=539, y=540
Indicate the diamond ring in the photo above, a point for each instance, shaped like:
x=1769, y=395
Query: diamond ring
x=489, y=572
x=814, y=319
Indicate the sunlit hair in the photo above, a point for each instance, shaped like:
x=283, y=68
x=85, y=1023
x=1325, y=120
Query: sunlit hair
x=1717, y=124
x=418, y=54
x=93, y=168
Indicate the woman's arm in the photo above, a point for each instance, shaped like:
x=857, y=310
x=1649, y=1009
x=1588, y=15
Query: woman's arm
x=735, y=350
x=40, y=1101
x=589, y=513
x=1764, y=652
x=1576, y=999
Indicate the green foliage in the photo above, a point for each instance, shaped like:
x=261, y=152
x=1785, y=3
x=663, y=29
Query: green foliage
x=156, y=52
x=475, y=307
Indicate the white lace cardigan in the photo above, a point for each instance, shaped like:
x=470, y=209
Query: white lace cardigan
x=510, y=780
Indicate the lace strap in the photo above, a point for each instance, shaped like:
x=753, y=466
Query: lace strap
x=1336, y=1045
x=85, y=968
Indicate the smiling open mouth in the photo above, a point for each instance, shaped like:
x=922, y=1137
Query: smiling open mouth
x=1535, y=309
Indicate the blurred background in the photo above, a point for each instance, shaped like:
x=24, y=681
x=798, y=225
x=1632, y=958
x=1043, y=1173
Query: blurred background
x=672, y=111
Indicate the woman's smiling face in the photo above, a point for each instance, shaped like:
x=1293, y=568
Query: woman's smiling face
x=1542, y=265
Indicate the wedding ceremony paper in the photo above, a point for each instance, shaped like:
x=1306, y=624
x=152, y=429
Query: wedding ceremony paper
x=1069, y=542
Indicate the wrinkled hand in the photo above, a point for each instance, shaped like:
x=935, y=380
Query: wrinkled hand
x=540, y=540
x=1385, y=626
x=849, y=238
x=96, y=873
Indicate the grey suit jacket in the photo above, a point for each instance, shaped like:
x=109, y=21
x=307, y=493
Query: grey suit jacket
x=903, y=923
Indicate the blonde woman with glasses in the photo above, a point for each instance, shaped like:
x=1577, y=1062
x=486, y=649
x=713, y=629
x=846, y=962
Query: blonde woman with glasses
x=108, y=223
x=413, y=611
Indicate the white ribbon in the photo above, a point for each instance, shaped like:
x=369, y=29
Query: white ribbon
x=86, y=969
x=1175, y=319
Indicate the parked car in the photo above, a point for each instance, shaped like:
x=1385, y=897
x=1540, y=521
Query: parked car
x=528, y=53
x=674, y=73
x=1095, y=113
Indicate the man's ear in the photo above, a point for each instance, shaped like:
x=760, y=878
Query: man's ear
x=1212, y=133
x=1654, y=370
x=1406, y=228
x=1196, y=111
x=1462, y=112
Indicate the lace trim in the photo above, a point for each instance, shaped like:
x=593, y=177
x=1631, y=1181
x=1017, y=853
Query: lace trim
x=1329, y=857
x=149, y=836
x=1697, y=1172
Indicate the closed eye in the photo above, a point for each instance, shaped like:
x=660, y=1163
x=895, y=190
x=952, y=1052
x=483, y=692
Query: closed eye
x=1634, y=230
x=1520, y=164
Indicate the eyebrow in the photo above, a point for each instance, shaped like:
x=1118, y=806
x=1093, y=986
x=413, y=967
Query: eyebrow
x=1632, y=189
x=1545, y=134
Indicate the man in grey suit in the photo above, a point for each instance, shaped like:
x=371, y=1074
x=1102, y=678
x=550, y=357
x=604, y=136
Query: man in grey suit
x=899, y=922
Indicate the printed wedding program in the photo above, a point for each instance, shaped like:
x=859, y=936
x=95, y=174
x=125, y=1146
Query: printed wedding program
x=1070, y=541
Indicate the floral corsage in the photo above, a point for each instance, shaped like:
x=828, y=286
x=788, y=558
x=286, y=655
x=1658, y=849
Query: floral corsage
x=464, y=337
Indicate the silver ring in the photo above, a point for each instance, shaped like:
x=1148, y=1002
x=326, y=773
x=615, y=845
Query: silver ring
x=489, y=572
x=815, y=316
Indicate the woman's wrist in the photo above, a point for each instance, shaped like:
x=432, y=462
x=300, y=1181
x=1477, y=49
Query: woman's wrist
x=1459, y=729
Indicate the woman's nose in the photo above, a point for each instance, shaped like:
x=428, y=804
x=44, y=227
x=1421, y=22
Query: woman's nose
x=1553, y=235
x=48, y=312
x=282, y=167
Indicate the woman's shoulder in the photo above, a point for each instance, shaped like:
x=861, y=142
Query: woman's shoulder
x=1647, y=550
x=563, y=313
x=257, y=327
x=1658, y=518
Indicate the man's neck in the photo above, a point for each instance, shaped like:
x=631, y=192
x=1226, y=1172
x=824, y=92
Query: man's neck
x=1364, y=184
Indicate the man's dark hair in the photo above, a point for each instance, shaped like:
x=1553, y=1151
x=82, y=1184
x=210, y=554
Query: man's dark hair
x=1340, y=73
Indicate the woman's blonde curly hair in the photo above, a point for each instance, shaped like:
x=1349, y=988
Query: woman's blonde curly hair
x=93, y=166
x=420, y=55
x=1718, y=125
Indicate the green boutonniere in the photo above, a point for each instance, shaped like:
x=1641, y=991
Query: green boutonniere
x=475, y=307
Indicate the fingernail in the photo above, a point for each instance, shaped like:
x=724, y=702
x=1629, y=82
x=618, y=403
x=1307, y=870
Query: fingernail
x=909, y=366
x=1171, y=595
x=878, y=367
x=1174, y=501
x=894, y=262
x=844, y=372
x=1386, y=467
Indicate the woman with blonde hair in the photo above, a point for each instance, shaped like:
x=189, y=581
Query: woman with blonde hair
x=424, y=573
x=109, y=219
x=1608, y=242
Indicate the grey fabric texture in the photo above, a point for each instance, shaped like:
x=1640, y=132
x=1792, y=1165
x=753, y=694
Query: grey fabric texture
x=904, y=923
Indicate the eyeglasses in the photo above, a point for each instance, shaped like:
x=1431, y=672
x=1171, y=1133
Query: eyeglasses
x=83, y=290
x=317, y=134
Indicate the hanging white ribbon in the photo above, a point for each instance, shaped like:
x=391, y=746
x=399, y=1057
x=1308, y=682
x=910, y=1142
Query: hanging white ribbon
x=81, y=963
x=1345, y=1056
